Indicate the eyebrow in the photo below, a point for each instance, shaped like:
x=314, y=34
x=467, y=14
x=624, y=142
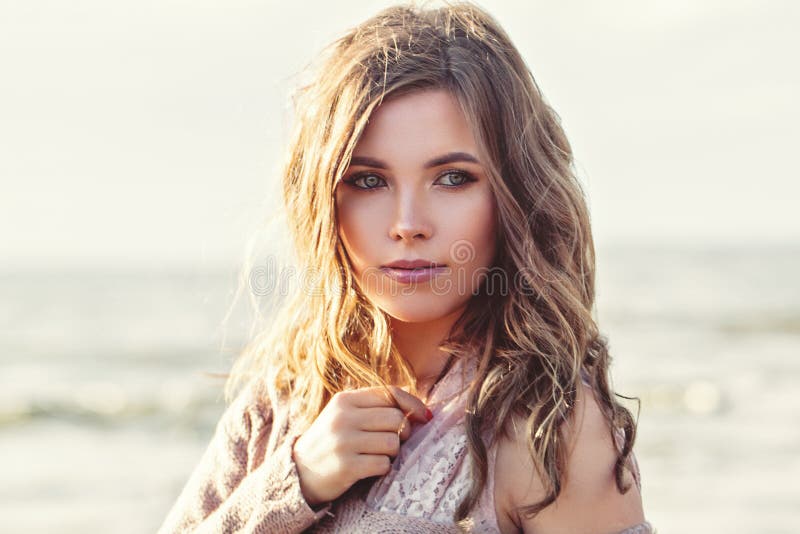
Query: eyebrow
x=450, y=157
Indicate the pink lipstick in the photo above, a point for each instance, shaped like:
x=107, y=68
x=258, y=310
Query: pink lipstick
x=409, y=271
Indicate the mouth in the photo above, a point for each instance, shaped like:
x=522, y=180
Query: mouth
x=412, y=265
x=407, y=272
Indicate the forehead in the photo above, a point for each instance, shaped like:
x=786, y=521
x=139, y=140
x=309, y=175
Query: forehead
x=427, y=122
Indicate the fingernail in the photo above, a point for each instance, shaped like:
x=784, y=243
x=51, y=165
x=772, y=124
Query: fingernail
x=428, y=414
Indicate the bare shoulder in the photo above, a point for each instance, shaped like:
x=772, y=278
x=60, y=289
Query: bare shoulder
x=589, y=501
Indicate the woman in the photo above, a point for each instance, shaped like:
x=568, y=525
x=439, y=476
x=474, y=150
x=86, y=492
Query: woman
x=440, y=369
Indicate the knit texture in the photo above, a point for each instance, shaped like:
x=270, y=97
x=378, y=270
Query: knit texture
x=233, y=488
x=247, y=481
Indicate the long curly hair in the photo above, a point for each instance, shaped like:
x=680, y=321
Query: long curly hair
x=530, y=343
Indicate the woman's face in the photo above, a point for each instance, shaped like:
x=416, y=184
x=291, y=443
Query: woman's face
x=415, y=190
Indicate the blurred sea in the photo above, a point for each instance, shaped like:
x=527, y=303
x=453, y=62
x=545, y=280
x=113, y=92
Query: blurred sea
x=108, y=399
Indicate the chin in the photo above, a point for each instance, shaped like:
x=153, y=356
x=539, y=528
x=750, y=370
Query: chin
x=418, y=308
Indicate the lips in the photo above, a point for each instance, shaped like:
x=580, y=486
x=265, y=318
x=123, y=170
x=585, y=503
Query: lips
x=412, y=264
x=413, y=271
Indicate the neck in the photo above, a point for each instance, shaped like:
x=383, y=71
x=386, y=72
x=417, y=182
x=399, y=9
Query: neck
x=418, y=344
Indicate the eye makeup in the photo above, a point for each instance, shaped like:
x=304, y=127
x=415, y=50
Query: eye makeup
x=354, y=179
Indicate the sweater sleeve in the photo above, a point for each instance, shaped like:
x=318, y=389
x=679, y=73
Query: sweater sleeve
x=230, y=491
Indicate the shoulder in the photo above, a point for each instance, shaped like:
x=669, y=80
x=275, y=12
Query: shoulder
x=589, y=500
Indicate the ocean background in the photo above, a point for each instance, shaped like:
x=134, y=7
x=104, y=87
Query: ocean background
x=109, y=393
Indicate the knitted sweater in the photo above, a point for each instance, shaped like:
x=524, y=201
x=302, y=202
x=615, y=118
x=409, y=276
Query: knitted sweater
x=247, y=481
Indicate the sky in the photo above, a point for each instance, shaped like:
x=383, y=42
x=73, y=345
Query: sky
x=151, y=133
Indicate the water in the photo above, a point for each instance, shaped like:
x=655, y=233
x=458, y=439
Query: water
x=108, y=396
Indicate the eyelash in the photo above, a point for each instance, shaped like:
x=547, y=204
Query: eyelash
x=468, y=178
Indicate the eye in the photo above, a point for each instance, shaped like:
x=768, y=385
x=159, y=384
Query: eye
x=457, y=178
x=369, y=180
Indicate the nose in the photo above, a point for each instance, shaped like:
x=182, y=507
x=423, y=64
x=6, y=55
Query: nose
x=411, y=218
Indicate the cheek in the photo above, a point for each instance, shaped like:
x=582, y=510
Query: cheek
x=354, y=227
x=473, y=237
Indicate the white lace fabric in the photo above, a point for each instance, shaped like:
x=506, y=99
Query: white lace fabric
x=432, y=473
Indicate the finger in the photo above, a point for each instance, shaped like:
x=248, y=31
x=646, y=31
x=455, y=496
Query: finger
x=412, y=406
x=387, y=443
x=380, y=418
x=390, y=396
x=370, y=465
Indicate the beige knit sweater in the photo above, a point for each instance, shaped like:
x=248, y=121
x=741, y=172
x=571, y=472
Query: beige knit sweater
x=247, y=482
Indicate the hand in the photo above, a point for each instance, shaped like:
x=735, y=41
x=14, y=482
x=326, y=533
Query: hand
x=353, y=438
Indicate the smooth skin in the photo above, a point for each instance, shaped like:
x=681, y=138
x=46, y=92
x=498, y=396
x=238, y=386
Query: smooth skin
x=415, y=189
